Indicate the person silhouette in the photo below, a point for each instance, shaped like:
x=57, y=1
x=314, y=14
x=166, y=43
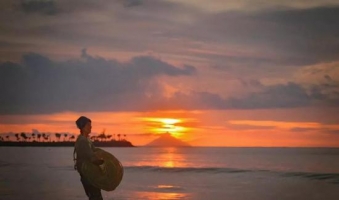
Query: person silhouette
x=84, y=150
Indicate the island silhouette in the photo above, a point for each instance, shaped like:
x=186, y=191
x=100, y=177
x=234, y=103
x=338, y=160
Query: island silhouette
x=167, y=140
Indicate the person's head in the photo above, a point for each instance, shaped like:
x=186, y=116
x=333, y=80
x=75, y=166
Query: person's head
x=84, y=124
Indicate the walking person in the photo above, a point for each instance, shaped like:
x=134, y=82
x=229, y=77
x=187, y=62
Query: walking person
x=84, y=150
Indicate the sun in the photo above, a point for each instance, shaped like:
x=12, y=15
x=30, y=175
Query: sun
x=169, y=121
x=166, y=125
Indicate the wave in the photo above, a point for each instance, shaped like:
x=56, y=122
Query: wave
x=187, y=169
x=67, y=168
x=4, y=164
x=314, y=176
x=333, y=177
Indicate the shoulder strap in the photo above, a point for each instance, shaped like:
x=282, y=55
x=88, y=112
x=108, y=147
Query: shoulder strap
x=75, y=154
x=74, y=159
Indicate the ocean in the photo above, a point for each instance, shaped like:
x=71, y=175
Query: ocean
x=203, y=173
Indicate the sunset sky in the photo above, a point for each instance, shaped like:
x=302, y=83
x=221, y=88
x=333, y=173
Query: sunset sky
x=210, y=72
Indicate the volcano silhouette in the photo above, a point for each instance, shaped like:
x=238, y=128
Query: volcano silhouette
x=167, y=140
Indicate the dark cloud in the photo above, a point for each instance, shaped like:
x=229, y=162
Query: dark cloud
x=40, y=85
x=276, y=96
x=142, y=134
x=332, y=131
x=132, y=3
x=319, y=130
x=312, y=33
x=327, y=89
x=37, y=84
x=250, y=83
x=287, y=36
x=243, y=127
x=53, y=7
x=299, y=129
x=296, y=36
x=328, y=78
x=291, y=95
x=47, y=7
x=97, y=24
x=287, y=96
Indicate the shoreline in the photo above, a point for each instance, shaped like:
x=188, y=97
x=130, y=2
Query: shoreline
x=64, y=144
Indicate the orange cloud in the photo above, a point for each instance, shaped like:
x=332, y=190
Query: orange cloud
x=285, y=125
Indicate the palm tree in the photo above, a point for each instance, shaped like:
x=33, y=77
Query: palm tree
x=65, y=136
x=124, y=136
x=46, y=137
x=58, y=135
x=72, y=137
x=7, y=137
x=118, y=137
x=23, y=135
x=108, y=136
x=38, y=136
x=17, y=136
x=102, y=136
x=33, y=136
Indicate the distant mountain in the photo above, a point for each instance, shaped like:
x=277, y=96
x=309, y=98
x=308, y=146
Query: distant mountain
x=167, y=140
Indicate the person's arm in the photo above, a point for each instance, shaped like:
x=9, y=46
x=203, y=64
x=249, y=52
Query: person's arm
x=84, y=150
x=95, y=149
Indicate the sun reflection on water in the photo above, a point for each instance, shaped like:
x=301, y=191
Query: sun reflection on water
x=170, y=158
x=161, y=195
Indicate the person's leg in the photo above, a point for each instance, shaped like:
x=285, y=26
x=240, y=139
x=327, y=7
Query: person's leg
x=92, y=192
x=85, y=185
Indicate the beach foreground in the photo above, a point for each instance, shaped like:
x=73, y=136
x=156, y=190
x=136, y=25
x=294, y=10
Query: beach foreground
x=177, y=173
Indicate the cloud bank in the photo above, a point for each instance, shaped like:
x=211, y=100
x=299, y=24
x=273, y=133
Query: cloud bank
x=40, y=85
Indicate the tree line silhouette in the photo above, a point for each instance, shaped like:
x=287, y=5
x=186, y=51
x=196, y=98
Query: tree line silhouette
x=59, y=137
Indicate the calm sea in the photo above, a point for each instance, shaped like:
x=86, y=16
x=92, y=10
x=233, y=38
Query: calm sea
x=43, y=173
